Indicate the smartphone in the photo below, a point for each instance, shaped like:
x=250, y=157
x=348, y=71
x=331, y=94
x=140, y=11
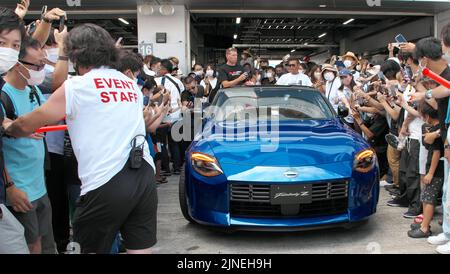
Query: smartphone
x=339, y=64
x=62, y=20
x=43, y=11
x=382, y=77
x=401, y=39
x=393, y=91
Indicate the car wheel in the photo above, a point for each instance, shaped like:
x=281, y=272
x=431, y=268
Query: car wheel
x=183, y=198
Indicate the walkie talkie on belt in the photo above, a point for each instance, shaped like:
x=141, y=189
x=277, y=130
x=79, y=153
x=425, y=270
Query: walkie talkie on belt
x=136, y=153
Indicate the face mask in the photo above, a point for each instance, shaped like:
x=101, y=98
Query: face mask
x=318, y=75
x=52, y=55
x=209, y=73
x=447, y=56
x=8, y=58
x=36, y=77
x=358, y=67
x=269, y=75
x=329, y=76
x=347, y=63
x=198, y=73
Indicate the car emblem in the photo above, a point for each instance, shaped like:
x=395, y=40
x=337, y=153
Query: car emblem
x=291, y=174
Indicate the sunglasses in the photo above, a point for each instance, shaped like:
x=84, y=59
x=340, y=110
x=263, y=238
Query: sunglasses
x=38, y=67
x=291, y=65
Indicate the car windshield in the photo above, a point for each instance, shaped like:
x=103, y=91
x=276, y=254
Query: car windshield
x=263, y=103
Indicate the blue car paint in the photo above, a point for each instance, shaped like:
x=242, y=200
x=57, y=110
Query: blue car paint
x=319, y=150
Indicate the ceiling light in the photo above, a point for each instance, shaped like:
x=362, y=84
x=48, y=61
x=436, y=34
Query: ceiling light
x=292, y=27
x=235, y=36
x=348, y=21
x=293, y=50
x=322, y=35
x=305, y=44
x=322, y=6
x=238, y=20
x=124, y=21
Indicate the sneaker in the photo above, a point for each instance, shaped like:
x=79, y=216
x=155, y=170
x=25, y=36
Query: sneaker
x=418, y=233
x=444, y=249
x=392, y=140
x=440, y=239
x=396, y=203
x=390, y=187
x=395, y=192
x=410, y=215
x=166, y=173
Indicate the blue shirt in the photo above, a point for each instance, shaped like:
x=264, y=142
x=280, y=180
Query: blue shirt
x=24, y=157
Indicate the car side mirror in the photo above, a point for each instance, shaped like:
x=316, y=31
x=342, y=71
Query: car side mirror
x=342, y=111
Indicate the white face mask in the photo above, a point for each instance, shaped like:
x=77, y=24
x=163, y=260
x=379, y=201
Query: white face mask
x=447, y=56
x=347, y=63
x=198, y=73
x=358, y=67
x=329, y=76
x=209, y=73
x=36, y=77
x=8, y=58
x=269, y=75
x=52, y=54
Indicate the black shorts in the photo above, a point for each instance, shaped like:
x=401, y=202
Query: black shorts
x=127, y=203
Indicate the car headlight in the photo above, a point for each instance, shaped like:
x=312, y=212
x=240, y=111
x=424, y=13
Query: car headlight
x=365, y=161
x=205, y=164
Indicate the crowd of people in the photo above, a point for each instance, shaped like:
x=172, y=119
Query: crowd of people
x=70, y=180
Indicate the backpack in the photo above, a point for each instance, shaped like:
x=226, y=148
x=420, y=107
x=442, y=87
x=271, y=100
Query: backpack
x=10, y=112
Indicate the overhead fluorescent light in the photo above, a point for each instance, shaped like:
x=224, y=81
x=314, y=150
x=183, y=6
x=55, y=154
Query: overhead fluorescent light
x=235, y=36
x=124, y=21
x=305, y=44
x=348, y=21
x=292, y=27
x=238, y=20
x=322, y=35
x=293, y=50
x=322, y=6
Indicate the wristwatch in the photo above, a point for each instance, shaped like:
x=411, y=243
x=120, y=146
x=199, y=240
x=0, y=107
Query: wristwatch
x=429, y=94
x=46, y=20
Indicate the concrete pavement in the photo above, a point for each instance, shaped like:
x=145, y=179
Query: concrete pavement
x=384, y=233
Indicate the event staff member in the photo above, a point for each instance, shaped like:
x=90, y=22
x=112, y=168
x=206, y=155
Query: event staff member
x=103, y=110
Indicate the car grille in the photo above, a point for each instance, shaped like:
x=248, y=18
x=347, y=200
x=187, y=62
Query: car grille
x=253, y=200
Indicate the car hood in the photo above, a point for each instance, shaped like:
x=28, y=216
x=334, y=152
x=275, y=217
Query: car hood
x=292, y=144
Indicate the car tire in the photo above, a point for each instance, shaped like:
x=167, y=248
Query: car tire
x=183, y=198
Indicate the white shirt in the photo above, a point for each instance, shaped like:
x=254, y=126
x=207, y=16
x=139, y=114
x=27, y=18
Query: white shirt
x=294, y=79
x=174, y=94
x=212, y=83
x=332, y=92
x=415, y=127
x=104, y=114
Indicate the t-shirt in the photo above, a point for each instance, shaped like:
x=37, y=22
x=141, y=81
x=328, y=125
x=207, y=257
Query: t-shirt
x=175, y=91
x=415, y=126
x=24, y=157
x=438, y=144
x=379, y=128
x=230, y=73
x=332, y=92
x=212, y=84
x=103, y=115
x=443, y=106
x=294, y=79
x=2, y=164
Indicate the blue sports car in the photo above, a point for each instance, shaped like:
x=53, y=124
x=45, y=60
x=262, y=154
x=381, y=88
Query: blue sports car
x=278, y=157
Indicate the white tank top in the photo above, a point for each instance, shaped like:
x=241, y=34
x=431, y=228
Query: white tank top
x=104, y=114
